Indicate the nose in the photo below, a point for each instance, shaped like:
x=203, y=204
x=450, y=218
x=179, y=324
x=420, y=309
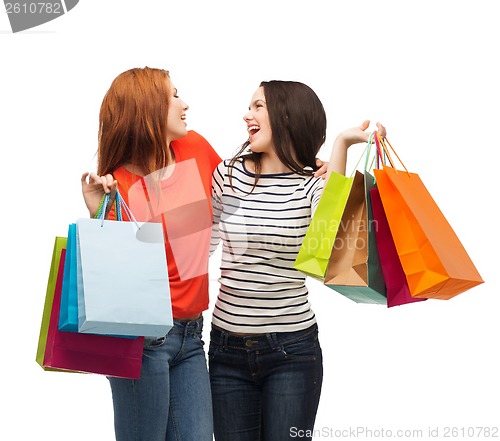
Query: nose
x=247, y=117
x=185, y=106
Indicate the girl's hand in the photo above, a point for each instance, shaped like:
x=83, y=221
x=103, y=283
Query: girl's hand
x=94, y=189
x=323, y=167
x=344, y=140
x=358, y=134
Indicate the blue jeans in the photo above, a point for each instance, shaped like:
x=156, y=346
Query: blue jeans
x=265, y=387
x=171, y=401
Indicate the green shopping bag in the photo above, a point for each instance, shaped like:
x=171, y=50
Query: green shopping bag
x=314, y=253
x=55, y=278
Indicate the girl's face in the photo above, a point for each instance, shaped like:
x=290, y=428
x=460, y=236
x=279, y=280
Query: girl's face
x=176, y=120
x=258, y=125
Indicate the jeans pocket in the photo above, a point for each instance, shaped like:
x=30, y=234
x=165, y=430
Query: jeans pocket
x=199, y=338
x=154, y=342
x=211, y=351
x=305, y=349
x=214, y=351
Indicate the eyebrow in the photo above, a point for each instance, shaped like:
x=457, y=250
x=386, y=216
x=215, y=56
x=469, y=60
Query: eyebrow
x=256, y=101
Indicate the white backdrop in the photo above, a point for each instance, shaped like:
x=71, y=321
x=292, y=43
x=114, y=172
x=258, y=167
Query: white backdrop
x=427, y=70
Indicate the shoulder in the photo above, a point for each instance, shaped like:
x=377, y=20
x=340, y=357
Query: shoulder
x=195, y=146
x=192, y=141
x=312, y=181
x=230, y=169
x=196, y=138
x=230, y=164
x=313, y=186
x=125, y=178
x=318, y=182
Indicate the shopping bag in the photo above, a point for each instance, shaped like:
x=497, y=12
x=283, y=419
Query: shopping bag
x=397, y=290
x=86, y=353
x=54, y=283
x=68, y=317
x=123, y=286
x=354, y=268
x=316, y=248
x=434, y=260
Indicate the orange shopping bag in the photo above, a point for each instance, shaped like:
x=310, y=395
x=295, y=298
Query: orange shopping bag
x=434, y=260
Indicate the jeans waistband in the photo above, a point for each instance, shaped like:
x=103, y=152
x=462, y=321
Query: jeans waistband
x=187, y=327
x=270, y=340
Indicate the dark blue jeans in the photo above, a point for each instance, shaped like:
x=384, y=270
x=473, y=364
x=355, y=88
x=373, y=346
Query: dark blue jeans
x=265, y=387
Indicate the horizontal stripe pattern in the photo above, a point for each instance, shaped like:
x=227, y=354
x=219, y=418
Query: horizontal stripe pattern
x=261, y=231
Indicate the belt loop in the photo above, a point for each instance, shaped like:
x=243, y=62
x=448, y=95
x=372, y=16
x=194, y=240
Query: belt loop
x=272, y=339
x=225, y=337
x=186, y=330
x=198, y=325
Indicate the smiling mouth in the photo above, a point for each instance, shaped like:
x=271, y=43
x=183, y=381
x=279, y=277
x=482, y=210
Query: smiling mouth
x=252, y=130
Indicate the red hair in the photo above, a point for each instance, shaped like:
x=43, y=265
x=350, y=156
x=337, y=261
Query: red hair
x=133, y=122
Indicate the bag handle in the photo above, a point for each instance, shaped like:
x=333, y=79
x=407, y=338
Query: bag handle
x=368, y=148
x=103, y=209
x=382, y=156
x=126, y=208
x=119, y=204
x=366, y=154
x=386, y=156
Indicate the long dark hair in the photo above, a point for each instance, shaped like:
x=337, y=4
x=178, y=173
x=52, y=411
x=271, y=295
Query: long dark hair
x=298, y=124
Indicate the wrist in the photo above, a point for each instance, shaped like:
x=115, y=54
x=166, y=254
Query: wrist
x=341, y=142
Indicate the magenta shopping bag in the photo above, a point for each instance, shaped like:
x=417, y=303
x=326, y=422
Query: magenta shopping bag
x=398, y=292
x=98, y=354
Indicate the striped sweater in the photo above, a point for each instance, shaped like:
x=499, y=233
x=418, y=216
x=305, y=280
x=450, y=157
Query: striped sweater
x=261, y=232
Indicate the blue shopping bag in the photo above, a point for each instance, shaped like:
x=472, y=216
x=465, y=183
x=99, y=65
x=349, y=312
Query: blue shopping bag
x=122, y=277
x=68, y=314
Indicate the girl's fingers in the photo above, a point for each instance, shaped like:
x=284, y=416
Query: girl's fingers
x=381, y=130
x=84, y=177
x=108, y=182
